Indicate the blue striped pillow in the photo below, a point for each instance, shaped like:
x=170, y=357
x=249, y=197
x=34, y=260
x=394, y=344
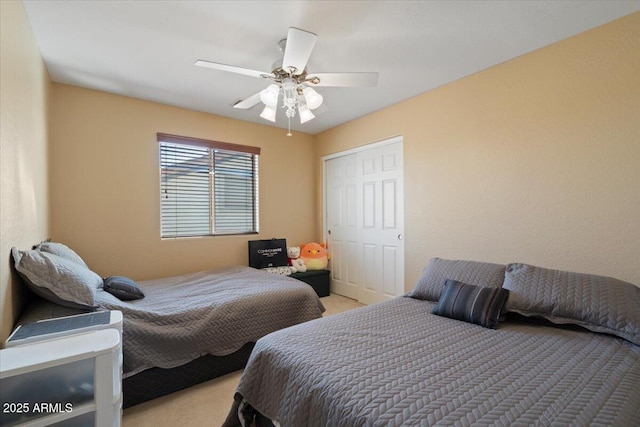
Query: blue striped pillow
x=475, y=304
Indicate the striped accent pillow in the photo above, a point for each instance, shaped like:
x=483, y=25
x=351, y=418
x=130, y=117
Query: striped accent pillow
x=475, y=304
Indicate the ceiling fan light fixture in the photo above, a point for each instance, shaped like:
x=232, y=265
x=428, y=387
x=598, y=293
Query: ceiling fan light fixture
x=290, y=81
x=305, y=113
x=289, y=93
x=313, y=98
x=269, y=96
x=269, y=113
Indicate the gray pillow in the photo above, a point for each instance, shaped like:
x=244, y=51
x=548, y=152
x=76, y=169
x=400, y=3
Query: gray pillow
x=469, y=303
x=62, y=251
x=598, y=303
x=123, y=288
x=57, y=279
x=438, y=271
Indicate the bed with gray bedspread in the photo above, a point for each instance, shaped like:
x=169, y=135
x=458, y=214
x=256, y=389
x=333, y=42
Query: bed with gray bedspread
x=213, y=312
x=395, y=363
x=188, y=329
x=210, y=312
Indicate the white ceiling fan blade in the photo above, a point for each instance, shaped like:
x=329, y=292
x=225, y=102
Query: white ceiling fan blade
x=298, y=49
x=245, y=104
x=346, y=79
x=231, y=68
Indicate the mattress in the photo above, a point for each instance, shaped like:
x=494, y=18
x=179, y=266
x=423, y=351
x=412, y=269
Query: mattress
x=395, y=363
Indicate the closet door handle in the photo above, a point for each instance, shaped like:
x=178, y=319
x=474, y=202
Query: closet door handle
x=400, y=237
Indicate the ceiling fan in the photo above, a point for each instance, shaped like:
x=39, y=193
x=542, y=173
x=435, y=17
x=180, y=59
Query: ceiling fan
x=291, y=79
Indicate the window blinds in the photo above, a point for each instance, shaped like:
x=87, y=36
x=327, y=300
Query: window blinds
x=207, y=188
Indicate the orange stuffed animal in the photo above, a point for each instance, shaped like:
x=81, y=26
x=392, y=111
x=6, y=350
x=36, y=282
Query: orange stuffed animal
x=314, y=256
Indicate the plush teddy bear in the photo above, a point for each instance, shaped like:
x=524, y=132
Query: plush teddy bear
x=296, y=265
x=314, y=256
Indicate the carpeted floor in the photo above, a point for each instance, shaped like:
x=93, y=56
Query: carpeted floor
x=205, y=404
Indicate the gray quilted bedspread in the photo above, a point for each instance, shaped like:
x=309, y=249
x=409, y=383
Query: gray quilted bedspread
x=394, y=364
x=212, y=312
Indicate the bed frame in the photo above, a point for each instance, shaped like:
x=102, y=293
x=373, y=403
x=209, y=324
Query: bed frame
x=156, y=382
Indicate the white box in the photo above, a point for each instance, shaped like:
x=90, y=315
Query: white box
x=64, y=326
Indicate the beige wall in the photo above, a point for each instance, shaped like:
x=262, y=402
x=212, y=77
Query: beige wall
x=24, y=106
x=535, y=160
x=105, y=184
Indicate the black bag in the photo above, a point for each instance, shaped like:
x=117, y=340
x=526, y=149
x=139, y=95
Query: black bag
x=268, y=253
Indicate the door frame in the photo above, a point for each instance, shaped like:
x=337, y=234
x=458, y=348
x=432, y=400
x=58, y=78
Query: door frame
x=365, y=147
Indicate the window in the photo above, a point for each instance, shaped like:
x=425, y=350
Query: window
x=207, y=188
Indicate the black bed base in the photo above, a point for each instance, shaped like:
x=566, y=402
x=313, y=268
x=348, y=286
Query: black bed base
x=157, y=382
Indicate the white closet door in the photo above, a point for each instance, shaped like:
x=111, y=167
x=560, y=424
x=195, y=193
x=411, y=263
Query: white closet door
x=342, y=224
x=365, y=221
x=382, y=223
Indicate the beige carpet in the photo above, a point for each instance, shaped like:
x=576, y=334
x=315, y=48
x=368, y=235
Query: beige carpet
x=205, y=404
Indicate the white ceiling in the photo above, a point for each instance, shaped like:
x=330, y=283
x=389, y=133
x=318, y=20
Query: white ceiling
x=146, y=49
